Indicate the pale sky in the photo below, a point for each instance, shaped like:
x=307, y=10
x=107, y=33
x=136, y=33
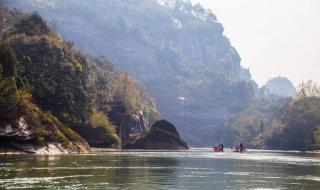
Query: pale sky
x=273, y=37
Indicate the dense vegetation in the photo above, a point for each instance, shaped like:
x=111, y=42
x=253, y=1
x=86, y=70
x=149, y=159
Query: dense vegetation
x=289, y=123
x=25, y=119
x=38, y=69
x=176, y=50
x=210, y=97
x=298, y=121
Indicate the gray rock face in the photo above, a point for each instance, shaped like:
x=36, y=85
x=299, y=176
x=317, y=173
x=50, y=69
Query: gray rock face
x=131, y=124
x=165, y=126
x=22, y=137
x=21, y=132
x=175, y=48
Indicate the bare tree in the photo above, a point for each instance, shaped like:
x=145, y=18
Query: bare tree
x=308, y=89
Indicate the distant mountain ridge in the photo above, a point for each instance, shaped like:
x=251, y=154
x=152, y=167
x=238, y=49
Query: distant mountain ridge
x=173, y=47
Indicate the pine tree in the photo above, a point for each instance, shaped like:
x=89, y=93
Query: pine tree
x=0, y=72
x=261, y=126
x=7, y=61
x=8, y=87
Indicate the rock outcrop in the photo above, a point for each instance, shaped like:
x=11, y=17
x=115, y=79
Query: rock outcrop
x=279, y=86
x=128, y=123
x=162, y=136
x=131, y=124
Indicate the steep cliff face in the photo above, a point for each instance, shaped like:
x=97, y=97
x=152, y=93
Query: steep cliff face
x=176, y=49
x=138, y=35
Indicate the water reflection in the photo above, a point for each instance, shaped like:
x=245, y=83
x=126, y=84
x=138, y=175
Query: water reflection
x=91, y=170
x=162, y=170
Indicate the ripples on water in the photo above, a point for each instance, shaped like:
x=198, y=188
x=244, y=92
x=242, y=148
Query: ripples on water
x=194, y=169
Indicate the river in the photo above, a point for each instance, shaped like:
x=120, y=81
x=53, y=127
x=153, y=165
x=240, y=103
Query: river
x=194, y=169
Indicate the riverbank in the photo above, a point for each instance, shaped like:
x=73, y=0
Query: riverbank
x=58, y=149
x=93, y=149
x=55, y=149
x=49, y=149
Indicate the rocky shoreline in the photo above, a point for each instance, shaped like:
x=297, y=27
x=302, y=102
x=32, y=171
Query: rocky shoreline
x=49, y=149
x=55, y=150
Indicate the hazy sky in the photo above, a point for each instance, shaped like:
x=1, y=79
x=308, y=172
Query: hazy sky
x=273, y=37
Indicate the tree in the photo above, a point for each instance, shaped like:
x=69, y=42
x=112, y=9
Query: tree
x=8, y=101
x=297, y=126
x=0, y=71
x=7, y=61
x=308, y=89
x=126, y=89
x=8, y=87
x=33, y=25
x=261, y=126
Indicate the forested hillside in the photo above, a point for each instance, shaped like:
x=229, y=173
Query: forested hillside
x=283, y=123
x=298, y=121
x=50, y=87
x=179, y=53
x=176, y=49
x=23, y=126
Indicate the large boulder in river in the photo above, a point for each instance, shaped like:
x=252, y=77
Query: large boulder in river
x=162, y=136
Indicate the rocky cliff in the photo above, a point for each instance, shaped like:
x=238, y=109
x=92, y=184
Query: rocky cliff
x=176, y=49
x=47, y=88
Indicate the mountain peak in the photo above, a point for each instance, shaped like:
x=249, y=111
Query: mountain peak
x=281, y=86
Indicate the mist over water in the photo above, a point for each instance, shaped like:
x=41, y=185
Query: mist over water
x=163, y=170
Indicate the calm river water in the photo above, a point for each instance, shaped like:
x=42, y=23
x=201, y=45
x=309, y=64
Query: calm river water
x=195, y=169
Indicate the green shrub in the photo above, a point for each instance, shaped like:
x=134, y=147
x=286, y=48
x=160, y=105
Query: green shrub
x=7, y=62
x=8, y=100
x=32, y=25
x=317, y=138
x=99, y=119
x=0, y=71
